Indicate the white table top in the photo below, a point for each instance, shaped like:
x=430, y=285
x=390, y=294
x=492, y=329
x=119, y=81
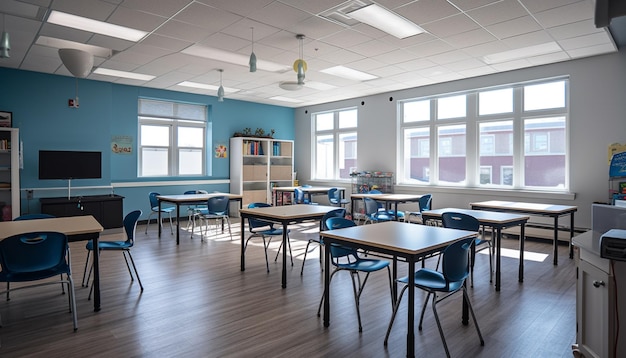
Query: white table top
x=191, y=198
x=400, y=237
x=309, y=189
x=537, y=208
x=485, y=217
x=72, y=225
x=389, y=197
x=288, y=212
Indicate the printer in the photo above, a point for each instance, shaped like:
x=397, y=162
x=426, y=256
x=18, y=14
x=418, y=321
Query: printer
x=613, y=245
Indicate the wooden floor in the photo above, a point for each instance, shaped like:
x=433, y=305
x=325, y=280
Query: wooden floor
x=197, y=303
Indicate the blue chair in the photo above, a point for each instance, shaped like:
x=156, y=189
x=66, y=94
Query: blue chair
x=193, y=211
x=154, y=209
x=32, y=217
x=334, y=198
x=337, y=213
x=451, y=279
x=300, y=198
x=264, y=229
x=461, y=221
x=424, y=204
x=348, y=259
x=372, y=212
x=392, y=213
x=217, y=209
x=36, y=256
x=130, y=224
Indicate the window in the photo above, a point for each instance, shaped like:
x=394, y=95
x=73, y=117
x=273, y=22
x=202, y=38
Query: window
x=335, y=144
x=520, y=131
x=172, y=139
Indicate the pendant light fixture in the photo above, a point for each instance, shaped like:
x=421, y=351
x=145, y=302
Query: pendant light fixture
x=5, y=46
x=299, y=66
x=252, y=55
x=220, y=91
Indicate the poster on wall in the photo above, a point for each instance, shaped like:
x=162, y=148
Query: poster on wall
x=6, y=119
x=122, y=144
x=221, y=151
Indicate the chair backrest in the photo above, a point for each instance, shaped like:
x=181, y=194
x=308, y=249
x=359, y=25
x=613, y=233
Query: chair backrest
x=199, y=191
x=333, y=195
x=338, y=251
x=460, y=221
x=33, y=217
x=255, y=223
x=455, y=262
x=130, y=224
x=425, y=202
x=371, y=206
x=154, y=202
x=218, y=205
x=298, y=196
x=337, y=213
x=375, y=191
x=32, y=252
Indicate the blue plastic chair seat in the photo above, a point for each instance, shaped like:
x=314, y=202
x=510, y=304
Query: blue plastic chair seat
x=109, y=245
x=430, y=279
x=271, y=232
x=364, y=265
x=167, y=209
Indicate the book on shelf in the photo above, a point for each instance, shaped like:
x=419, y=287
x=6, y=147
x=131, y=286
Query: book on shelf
x=252, y=148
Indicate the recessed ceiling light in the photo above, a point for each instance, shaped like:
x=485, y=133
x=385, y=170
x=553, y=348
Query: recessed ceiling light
x=524, y=52
x=234, y=58
x=349, y=73
x=59, y=43
x=123, y=74
x=385, y=20
x=286, y=99
x=206, y=86
x=99, y=27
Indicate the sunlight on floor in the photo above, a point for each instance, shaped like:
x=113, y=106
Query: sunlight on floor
x=528, y=255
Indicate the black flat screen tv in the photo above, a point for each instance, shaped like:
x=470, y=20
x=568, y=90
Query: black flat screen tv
x=63, y=164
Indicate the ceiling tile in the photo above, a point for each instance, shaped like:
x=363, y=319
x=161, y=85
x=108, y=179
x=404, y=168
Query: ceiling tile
x=451, y=26
x=574, y=29
x=426, y=11
x=165, y=8
x=579, y=11
x=206, y=17
x=515, y=27
x=467, y=5
x=470, y=38
x=93, y=9
x=498, y=12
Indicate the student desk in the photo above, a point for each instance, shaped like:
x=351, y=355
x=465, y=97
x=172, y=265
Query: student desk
x=497, y=221
x=284, y=215
x=410, y=242
x=308, y=190
x=77, y=228
x=388, y=199
x=190, y=199
x=553, y=211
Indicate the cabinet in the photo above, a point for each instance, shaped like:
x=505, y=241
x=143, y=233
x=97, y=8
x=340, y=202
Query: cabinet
x=617, y=178
x=363, y=182
x=9, y=174
x=259, y=164
x=107, y=209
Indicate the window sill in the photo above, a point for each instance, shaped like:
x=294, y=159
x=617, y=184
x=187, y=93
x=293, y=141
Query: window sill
x=527, y=194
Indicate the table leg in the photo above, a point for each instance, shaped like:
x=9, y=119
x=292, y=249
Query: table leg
x=243, y=242
x=522, y=238
x=395, y=211
x=96, y=274
x=498, y=256
x=465, y=310
x=177, y=223
x=571, y=236
x=555, y=259
x=327, y=285
x=394, y=270
x=285, y=248
x=159, y=219
x=410, y=336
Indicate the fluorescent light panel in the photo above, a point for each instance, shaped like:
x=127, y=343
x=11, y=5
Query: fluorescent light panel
x=286, y=99
x=123, y=74
x=385, y=20
x=234, y=58
x=524, y=52
x=349, y=73
x=59, y=43
x=207, y=86
x=99, y=27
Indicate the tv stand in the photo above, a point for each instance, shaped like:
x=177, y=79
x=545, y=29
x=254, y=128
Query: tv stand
x=107, y=209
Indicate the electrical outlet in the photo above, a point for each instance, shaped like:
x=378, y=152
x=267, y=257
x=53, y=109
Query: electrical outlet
x=29, y=194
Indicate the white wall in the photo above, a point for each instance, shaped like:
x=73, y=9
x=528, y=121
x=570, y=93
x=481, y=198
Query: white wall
x=597, y=119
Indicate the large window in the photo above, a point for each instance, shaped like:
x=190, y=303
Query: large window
x=507, y=137
x=172, y=139
x=335, y=148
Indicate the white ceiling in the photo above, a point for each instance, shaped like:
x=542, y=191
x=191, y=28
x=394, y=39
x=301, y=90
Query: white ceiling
x=458, y=34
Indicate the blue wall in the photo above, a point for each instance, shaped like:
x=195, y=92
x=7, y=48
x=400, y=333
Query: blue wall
x=40, y=110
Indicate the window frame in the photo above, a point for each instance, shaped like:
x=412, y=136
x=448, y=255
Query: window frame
x=173, y=123
x=337, y=132
x=473, y=121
